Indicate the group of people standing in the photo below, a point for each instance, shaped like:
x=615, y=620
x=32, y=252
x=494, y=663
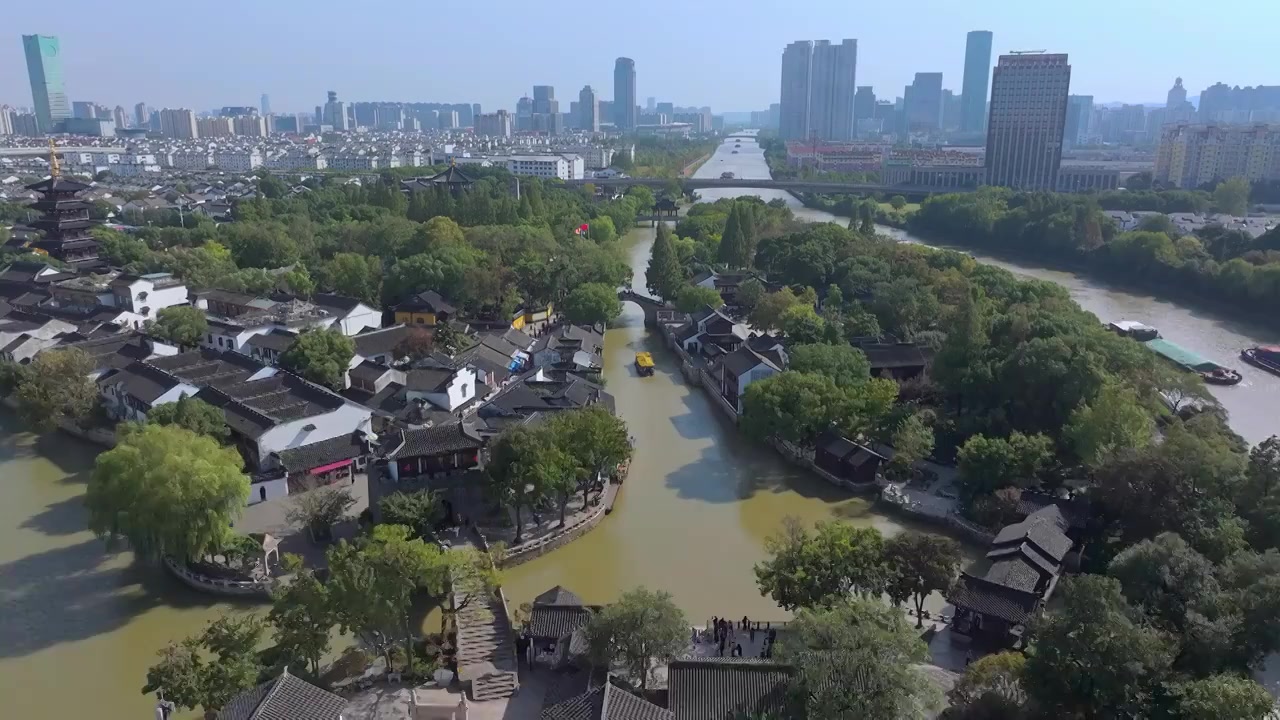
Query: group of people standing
x=728, y=635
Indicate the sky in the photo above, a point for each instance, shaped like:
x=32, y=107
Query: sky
x=690, y=52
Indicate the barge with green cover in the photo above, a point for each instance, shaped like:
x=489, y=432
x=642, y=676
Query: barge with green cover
x=1211, y=372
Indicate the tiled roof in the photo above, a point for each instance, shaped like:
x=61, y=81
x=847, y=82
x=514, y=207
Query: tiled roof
x=276, y=339
x=448, y=438
x=708, y=689
x=284, y=698
x=607, y=702
x=380, y=342
x=551, y=621
x=561, y=596
x=992, y=599
x=142, y=381
x=895, y=355
x=305, y=457
x=1042, y=531
x=1014, y=573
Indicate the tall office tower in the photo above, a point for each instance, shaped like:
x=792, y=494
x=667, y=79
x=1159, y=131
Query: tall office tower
x=951, y=104
x=1028, y=116
x=775, y=112
x=496, y=124
x=624, y=94
x=649, y=104
x=543, y=97
x=448, y=119
x=179, y=123
x=1177, y=95
x=48, y=92
x=1177, y=109
x=1079, y=124
x=977, y=73
x=265, y=104
x=664, y=108
x=335, y=112
x=524, y=114
x=25, y=124
x=588, y=110
x=832, y=89
x=84, y=109
x=120, y=117
x=141, y=115
x=6, y=120
x=793, y=121
x=864, y=103
x=153, y=122
x=923, y=99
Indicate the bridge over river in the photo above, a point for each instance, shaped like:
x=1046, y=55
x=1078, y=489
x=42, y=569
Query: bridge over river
x=833, y=188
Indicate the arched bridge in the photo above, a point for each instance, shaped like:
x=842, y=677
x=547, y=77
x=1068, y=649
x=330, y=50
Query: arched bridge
x=834, y=188
x=646, y=303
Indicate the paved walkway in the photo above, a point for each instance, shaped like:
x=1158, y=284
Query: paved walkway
x=271, y=517
x=547, y=522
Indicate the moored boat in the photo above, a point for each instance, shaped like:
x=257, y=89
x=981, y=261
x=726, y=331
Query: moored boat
x=1209, y=371
x=644, y=363
x=1266, y=357
x=1135, y=330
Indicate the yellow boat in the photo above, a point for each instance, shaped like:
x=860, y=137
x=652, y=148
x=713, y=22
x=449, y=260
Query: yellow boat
x=644, y=363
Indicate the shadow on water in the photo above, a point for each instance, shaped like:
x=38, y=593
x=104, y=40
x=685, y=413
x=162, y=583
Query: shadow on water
x=73, y=593
x=65, y=517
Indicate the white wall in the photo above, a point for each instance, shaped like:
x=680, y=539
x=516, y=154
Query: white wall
x=342, y=421
x=268, y=490
x=361, y=316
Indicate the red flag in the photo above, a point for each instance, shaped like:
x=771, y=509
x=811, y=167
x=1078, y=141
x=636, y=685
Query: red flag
x=583, y=228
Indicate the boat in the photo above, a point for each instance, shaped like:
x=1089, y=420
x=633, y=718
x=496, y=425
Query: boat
x=735, y=152
x=1135, y=330
x=1266, y=357
x=1209, y=371
x=644, y=363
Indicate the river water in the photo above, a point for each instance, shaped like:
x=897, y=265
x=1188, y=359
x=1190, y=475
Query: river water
x=80, y=626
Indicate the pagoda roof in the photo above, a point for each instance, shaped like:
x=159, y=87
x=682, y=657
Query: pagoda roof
x=58, y=184
x=451, y=176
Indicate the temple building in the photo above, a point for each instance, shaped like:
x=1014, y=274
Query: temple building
x=65, y=222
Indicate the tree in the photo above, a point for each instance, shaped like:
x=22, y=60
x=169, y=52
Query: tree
x=167, y=491
x=301, y=617
x=1222, y=697
x=1089, y=658
x=353, y=275
x=1113, y=420
x=317, y=510
x=988, y=464
x=1232, y=196
x=692, y=298
x=665, y=276
x=821, y=569
x=596, y=441
x=769, y=310
x=732, y=247
x=321, y=356
x=298, y=282
x=749, y=294
x=189, y=680
x=418, y=343
x=182, y=325
x=419, y=511
x=912, y=442
x=960, y=367
x=857, y=659
x=526, y=465
x=591, y=304
x=448, y=339
x=640, y=630
x=802, y=324
x=844, y=364
x=193, y=414
x=55, y=388
x=920, y=564
x=794, y=406
x=897, y=202
x=999, y=674
x=1258, y=499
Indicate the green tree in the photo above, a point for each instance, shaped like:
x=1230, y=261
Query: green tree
x=769, y=310
x=435, y=233
x=1222, y=697
x=525, y=466
x=596, y=441
x=897, y=202
x=999, y=674
x=664, y=277
x=167, y=491
x=857, y=659
x=732, y=243
x=694, y=297
x=802, y=324
x=1258, y=500
x=1114, y=420
x=821, y=569
x=209, y=669
x=301, y=617
x=988, y=464
x=193, y=414
x=55, y=388
x=419, y=511
x=749, y=294
x=591, y=304
x=794, y=406
x=960, y=367
x=844, y=364
x=912, y=442
x=1089, y=658
x=920, y=564
x=639, y=631
x=298, y=282
x=321, y=356
x=353, y=275
x=1232, y=196
x=319, y=509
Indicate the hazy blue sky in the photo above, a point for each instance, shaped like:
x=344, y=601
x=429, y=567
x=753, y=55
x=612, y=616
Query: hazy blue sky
x=701, y=52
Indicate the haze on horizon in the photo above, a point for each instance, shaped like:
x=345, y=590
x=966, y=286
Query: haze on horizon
x=726, y=55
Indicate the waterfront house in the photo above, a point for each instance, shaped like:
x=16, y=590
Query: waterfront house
x=1025, y=561
x=575, y=348
x=23, y=334
x=735, y=371
x=847, y=459
x=435, y=452
x=305, y=467
x=286, y=697
x=556, y=617
x=712, y=333
x=540, y=391
x=129, y=393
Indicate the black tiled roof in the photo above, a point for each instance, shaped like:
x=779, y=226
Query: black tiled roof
x=1042, y=530
x=305, y=457
x=380, y=342
x=559, y=596
x=992, y=599
x=284, y=698
x=1016, y=573
x=708, y=689
x=277, y=339
x=607, y=702
x=448, y=438
x=429, y=301
x=551, y=621
x=333, y=301
x=142, y=381
x=893, y=355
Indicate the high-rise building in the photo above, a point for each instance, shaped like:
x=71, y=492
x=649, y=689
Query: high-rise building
x=923, y=99
x=6, y=120
x=543, y=97
x=449, y=119
x=588, y=110
x=335, y=112
x=977, y=73
x=864, y=102
x=951, y=106
x=25, y=124
x=832, y=89
x=179, y=123
x=1192, y=155
x=209, y=127
x=1079, y=123
x=797, y=61
x=265, y=104
x=1177, y=109
x=664, y=108
x=1177, y=95
x=497, y=124
x=250, y=125
x=120, y=117
x=84, y=109
x=48, y=92
x=649, y=104
x=141, y=115
x=1028, y=117
x=624, y=94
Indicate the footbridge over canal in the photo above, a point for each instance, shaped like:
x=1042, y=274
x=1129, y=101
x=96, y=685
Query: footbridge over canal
x=650, y=306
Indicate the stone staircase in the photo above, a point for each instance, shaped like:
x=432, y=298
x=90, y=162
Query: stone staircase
x=486, y=645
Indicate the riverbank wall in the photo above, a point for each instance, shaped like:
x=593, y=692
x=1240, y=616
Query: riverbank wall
x=572, y=531
x=102, y=437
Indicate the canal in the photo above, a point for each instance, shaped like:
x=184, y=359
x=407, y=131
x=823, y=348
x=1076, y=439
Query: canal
x=80, y=626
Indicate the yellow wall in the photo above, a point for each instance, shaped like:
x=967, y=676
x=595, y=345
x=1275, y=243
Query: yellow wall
x=415, y=318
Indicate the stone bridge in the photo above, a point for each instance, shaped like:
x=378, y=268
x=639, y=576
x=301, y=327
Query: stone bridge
x=834, y=188
x=649, y=305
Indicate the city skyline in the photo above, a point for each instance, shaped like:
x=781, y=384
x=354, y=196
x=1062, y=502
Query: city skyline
x=737, y=74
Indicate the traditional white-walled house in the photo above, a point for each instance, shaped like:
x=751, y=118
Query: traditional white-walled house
x=735, y=371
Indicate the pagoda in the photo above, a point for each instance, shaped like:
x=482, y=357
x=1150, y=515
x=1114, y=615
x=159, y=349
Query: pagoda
x=65, y=222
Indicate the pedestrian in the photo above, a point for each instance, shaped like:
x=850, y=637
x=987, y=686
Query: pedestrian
x=752, y=631
x=693, y=639
x=737, y=650
x=721, y=651
x=744, y=622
